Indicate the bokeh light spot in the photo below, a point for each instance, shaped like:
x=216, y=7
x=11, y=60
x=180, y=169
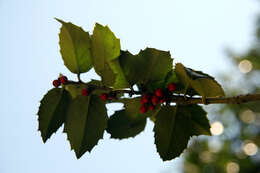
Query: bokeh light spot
x=217, y=128
x=250, y=149
x=245, y=66
x=232, y=167
x=247, y=116
x=206, y=157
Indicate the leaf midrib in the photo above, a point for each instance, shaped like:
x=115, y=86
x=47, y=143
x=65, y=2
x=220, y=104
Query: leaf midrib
x=85, y=125
x=172, y=131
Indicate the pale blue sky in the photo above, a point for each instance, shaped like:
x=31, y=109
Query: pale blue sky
x=195, y=31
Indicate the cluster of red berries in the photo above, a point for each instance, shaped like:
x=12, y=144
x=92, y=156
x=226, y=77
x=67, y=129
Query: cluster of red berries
x=61, y=80
x=149, y=101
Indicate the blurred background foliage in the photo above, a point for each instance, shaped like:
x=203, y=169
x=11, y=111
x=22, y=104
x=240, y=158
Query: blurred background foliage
x=235, y=141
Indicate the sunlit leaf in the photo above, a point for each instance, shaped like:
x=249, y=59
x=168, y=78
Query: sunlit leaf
x=105, y=51
x=75, y=48
x=202, y=83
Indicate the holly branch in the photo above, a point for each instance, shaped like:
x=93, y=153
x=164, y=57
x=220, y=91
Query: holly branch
x=180, y=99
x=146, y=84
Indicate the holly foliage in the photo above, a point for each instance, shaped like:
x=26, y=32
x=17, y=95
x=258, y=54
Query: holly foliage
x=81, y=106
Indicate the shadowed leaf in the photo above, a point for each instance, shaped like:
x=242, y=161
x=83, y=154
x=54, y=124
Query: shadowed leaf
x=52, y=111
x=85, y=123
x=120, y=125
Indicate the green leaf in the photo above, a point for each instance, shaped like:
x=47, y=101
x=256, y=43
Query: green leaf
x=85, y=123
x=105, y=52
x=75, y=89
x=52, y=111
x=132, y=106
x=174, y=125
x=199, y=122
x=120, y=80
x=202, y=83
x=149, y=66
x=75, y=47
x=171, y=132
x=121, y=125
x=171, y=78
x=129, y=122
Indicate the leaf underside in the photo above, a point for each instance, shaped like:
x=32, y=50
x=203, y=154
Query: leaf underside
x=121, y=126
x=85, y=123
x=52, y=111
x=174, y=125
x=147, y=67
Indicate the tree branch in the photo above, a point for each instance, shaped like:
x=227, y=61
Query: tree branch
x=181, y=99
x=216, y=100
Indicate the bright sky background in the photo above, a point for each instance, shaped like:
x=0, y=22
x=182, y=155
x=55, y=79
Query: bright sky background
x=195, y=31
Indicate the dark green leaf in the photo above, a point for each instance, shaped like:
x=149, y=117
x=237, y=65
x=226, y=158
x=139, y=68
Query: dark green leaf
x=199, y=121
x=75, y=48
x=121, y=125
x=149, y=66
x=132, y=106
x=172, y=132
x=171, y=78
x=129, y=122
x=85, y=123
x=202, y=83
x=105, y=51
x=52, y=111
x=75, y=89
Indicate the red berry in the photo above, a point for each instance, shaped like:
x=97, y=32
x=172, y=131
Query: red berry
x=143, y=109
x=63, y=79
x=85, y=92
x=104, y=96
x=145, y=99
x=162, y=100
x=159, y=92
x=56, y=83
x=151, y=107
x=155, y=100
x=172, y=87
